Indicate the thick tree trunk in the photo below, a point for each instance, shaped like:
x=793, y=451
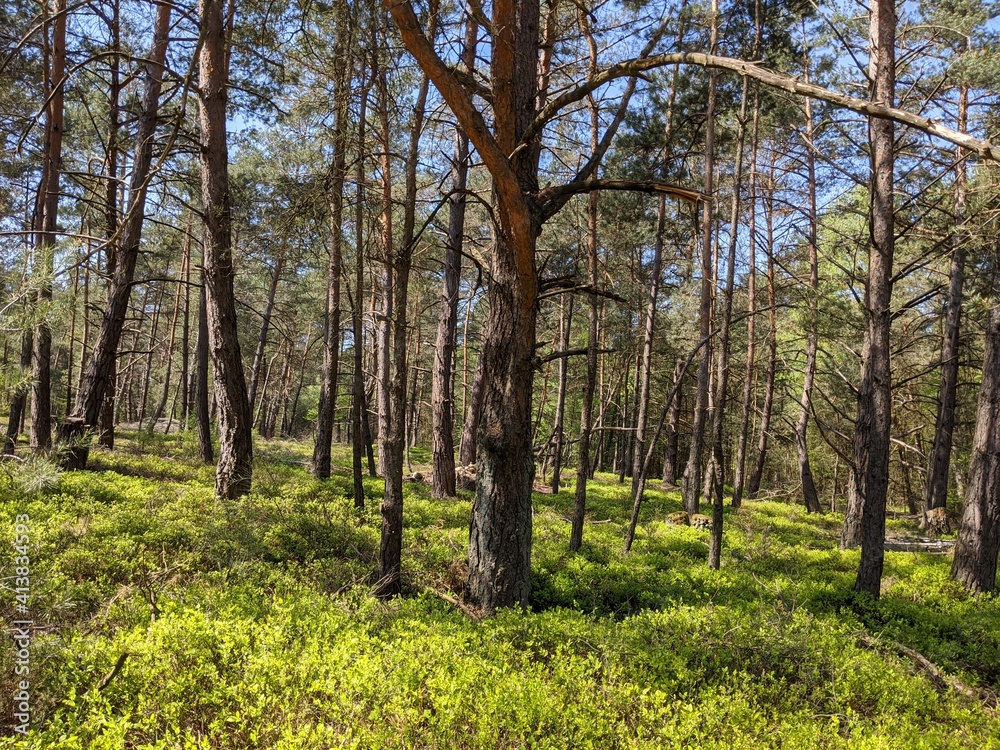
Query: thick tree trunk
x=97, y=389
x=872, y=428
x=978, y=542
x=936, y=494
x=810, y=497
x=234, y=471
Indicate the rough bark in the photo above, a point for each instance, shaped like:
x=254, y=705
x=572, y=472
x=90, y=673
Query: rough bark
x=234, y=470
x=359, y=418
x=872, y=428
x=978, y=542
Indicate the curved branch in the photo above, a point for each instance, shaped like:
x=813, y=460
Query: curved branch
x=779, y=81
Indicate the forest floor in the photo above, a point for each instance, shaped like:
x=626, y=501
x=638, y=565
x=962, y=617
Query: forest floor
x=166, y=618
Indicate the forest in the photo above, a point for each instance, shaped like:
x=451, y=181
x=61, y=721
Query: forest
x=500, y=374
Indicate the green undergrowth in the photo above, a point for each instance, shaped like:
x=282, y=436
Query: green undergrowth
x=249, y=624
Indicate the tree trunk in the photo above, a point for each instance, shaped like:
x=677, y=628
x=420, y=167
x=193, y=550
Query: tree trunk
x=872, y=428
x=978, y=541
x=470, y=428
x=359, y=418
x=673, y=432
x=201, y=405
x=753, y=486
x=234, y=470
x=41, y=392
x=722, y=374
x=810, y=497
x=173, y=336
x=692, y=472
x=265, y=326
x=557, y=436
x=443, y=382
x=97, y=389
x=936, y=494
x=739, y=480
x=583, y=470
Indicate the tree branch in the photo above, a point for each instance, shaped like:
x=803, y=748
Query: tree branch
x=554, y=194
x=627, y=68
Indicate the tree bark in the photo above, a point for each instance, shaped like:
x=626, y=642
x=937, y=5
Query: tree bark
x=234, y=471
x=201, y=404
x=359, y=416
x=936, y=494
x=978, y=542
x=327, y=409
x=872, y=428
x=722, y=373
x=41, y=392
x=442, y=382
x=97, y=389
x=810, y=497
x=566, y=320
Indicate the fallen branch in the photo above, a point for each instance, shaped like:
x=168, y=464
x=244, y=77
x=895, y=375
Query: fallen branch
x=940, y=680
x=113, y=673
x=466, y=610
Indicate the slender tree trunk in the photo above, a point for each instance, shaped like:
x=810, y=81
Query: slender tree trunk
x=583, y=470
x=41, y=391
x=234, y=471
x=739, y=480
x=978, y=542
x=19, y=400
x=872, y=428
x=692, y=472
x=185, y=384
x=327, y=410
x=809, y=494
x=673, y=432
x=649, y=329
x=97, y=389
x=201, y=404
x=148, y=371
x=399, y=260
x=566, y=316
x=359, y=417
x=753, y=486
x=470, y=428
x=936, y=494
x=722, y=375
x=265, y=326
x=169, y=355
x=442, y=382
